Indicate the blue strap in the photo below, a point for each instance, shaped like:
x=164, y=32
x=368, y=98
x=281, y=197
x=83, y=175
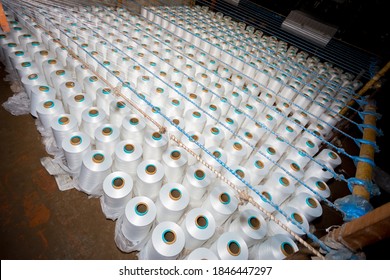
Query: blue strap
x=377, y=130
x=367, y=142
x=362, y=101
x=363, y=114
x=356, y=159
x=368, y=185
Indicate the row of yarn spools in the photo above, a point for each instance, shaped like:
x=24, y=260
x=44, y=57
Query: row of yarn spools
x=277, y=111
x=309, y=145
x=97, y=156
x=245, y=40
x=190, y=60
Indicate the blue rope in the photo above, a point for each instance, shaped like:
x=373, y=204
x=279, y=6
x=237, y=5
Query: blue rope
x=367, y=142
x=367, y=184
x=362, y=114
x=357, y=159
x=378, y=131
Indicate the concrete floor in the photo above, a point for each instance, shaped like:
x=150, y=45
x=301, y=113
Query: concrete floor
x=38, y=221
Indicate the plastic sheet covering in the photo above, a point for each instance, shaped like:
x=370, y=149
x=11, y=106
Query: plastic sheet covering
x=353, y=206
x=123, y=243
x=18, y=104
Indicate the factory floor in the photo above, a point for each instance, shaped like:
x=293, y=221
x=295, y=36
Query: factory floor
x=38, y=221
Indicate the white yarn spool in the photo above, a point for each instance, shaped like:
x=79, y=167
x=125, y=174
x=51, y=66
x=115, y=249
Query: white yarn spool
x=202, y=254
x=213, y=136
x=196, y=181
x=61, y=126
x=140, y=213
x=313, y=135
x=278, y=143
x=234, y=97
x=118, y=111
x=195, y=119
x=215, y=113
x=177, y=89
x=150, y=174
x=218, y=89
x=77, y=103
x=91, y=119
x=306, y=204
x=49, y=66
x=127, y=157
x=293, y=214
x=276, y=247
x=47, y=110
x=117, y=189
x=158, y=97
x=241, y=173
x=190, y=143
x=145, y=84
x=230, y=127
x=166, y=243
x=172, y=201
x=198, y=227
x=81, y=72
x=222, y=203
x=154, y=145
x=278, y=186
x=75, y=145
x=104, y=97
x=62, y=54
x=174, y=160
x=287, y=132
x=25, y=39
x=250, y=225
x=235, y=151
x=95, y=167
x=203, y=79
x=67, y=89
x=258, y=167
x=230, y=246
x=175, y=107
x=136, y=71
x=217, y=153
x=222, y=103
x=107, y=136
x=195, y=106
x=262, y=200
x=171, y=129
x=316, y=169
x=34, y=47
x=71, y=65
x=57, y=77
x=270, y=151
x=315, y=184
x=91, y=84
x=204, y=94
x=249, y=110
x=330, y=157
x=8, y=49
x=293, y=168
x=133, y=128
x=306, y=144
x=18, y=57
x=27, y=68
x=40, y=93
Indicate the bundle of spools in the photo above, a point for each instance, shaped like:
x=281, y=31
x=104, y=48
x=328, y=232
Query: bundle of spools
x=240, y=115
